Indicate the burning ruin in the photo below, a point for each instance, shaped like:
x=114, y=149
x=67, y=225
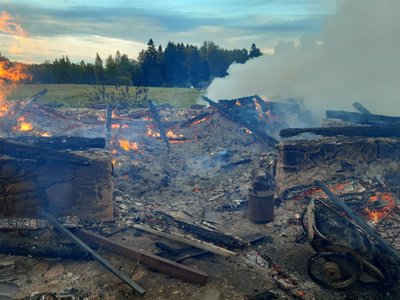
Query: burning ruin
x=183, y=175
x=94, y=201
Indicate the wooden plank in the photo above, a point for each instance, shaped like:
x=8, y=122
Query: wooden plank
x=192, y=242
x=153, y=261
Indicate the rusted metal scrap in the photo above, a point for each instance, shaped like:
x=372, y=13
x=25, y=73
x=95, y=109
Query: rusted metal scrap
x=93, y=253
x=153, y=261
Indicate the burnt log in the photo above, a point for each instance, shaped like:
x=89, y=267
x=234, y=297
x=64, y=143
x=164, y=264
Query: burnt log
x=63, y=142
x=27, y=151
x=23, y=246
x=361, y=118
x=249, y=125
x=360, y=131
x=287, y=107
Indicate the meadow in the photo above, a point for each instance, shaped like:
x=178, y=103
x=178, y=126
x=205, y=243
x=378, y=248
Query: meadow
x=78, y=95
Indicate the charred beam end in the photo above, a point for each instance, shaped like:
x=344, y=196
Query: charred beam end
x=361, y=108
x=248, y=125
x=153, y=261
x=93, y=253
x=196, y=118
x=359, y=118
x=359, y=221
x=362, y=131
x=158, y=122
x=27, y=151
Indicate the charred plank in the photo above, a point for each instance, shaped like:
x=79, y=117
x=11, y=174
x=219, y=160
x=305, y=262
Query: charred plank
x=27, y=151
x=63, y=142
x=157, y=120
x=363, y=131
x=153, y=261
x=359, y=118
x=93, y=253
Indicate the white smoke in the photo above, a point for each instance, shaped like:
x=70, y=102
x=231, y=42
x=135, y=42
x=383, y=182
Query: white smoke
x=355, y=57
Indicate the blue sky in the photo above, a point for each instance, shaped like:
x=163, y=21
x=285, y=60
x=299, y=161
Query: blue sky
x=79, y=29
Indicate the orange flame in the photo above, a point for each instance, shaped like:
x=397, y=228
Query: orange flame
x=127, y=145
x=238, y=103
x=259, y=109
x=382, y=211
x=23, y=125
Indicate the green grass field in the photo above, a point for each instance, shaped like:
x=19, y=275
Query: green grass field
x=78, y=95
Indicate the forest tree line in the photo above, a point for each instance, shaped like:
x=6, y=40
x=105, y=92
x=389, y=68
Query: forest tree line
x=177, y=65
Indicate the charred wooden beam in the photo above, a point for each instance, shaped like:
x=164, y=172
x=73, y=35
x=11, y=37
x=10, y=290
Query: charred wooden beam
x=359, y=118
x=153, y=261
x=27, y=151
x=255, y=130
x=23, y=246
x=62, y=142
x=93, y=253
x=192, y=242
x=197, y=118
x=383, y=244
x=107, y=129
x=361, y=108
x=364, y=131
x=158, y=122
x=212, y=235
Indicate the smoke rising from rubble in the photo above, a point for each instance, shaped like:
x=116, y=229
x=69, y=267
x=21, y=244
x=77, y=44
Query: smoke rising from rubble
x=355, y=57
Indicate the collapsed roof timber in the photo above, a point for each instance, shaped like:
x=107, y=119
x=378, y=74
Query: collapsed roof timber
x=170, y=190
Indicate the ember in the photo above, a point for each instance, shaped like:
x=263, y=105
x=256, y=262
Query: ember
x=128, y=146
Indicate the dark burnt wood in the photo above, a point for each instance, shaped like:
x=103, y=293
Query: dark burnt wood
x=361, y=118
x=361, y=131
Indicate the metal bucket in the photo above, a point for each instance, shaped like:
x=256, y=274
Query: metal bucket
x=261, y=203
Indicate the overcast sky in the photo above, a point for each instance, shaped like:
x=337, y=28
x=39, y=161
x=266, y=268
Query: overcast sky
x=79, y=29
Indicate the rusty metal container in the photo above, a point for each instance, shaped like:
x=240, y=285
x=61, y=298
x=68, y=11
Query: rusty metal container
x=261, y=202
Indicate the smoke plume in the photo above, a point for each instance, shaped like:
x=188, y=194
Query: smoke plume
x=355, y=57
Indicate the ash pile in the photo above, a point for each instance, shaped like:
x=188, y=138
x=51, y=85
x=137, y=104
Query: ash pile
x=199, y=203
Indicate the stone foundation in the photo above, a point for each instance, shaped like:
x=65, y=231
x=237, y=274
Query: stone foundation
x=303, y=161
x=27, y=186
